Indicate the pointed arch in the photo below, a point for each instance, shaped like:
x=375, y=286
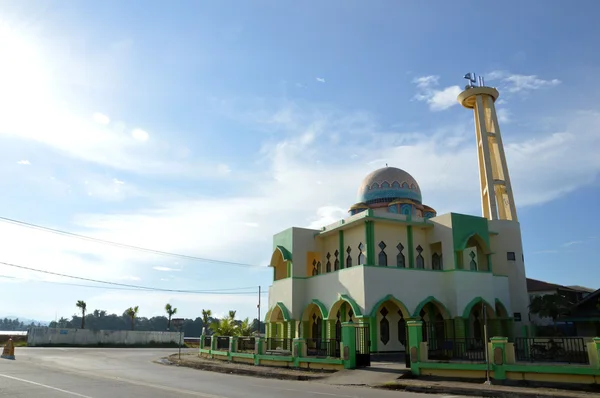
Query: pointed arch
x=446, y=312
x=474, y=302
x=279, y=307
x=390, y=297
x=485, y=248
x=280, y=254
x=501, y=309
x=344, y=297
x=320, y=306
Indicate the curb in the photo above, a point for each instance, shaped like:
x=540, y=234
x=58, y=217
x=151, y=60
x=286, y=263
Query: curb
x=242, y=372
x=476, y=392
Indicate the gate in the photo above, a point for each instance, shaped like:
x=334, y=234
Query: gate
x=363, y=346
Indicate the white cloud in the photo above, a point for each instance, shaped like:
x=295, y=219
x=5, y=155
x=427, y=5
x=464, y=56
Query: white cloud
x=516, y=83
x=101, y=118
x=503, y=115
x=24, y=162
x=438, y=100
x=139, y=135
x=223, y=169
x=165, y=269
x=118, y=182
x=320, y=79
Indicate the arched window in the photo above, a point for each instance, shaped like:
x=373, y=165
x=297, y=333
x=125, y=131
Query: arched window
x=361, y=255
x=349, y=258
x=436, y=262
x=382, y=256
x=328, y=265
x=420, y=259
x=400, y=259
x=336, y=263
x=384, y=327
x=319, y=268
x=473, y=263
x=315, y=270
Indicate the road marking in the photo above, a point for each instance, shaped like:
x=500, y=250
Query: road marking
x=45, y=386
x=307, y=392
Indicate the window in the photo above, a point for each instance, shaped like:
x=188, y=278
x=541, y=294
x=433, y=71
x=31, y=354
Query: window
x=472, y=263
x=436, y=262
x=384, y=327
x=349, y=258
x=420, y=259
x=336, y=263
x=315, y=270
x=319, y=268
x=510, y=256
x=361, y=255
x=400, y=259
x=382, y=256
x=328, y=265
x=402, y=329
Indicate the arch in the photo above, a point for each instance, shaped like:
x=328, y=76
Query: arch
x=501, y=309
x=318, y=304
x=390, y=297
x=280, y=254
x=480, y=242
x=344, y=297
x=474, y=302
x=278, y=308
x=443, y=309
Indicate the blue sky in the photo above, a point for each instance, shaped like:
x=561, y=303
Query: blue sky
x=203, y=128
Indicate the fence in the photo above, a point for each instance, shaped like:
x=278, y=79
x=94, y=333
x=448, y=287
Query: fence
x=551, y=349
x=277, y=344
x=456, y=349
x=222, y=343
x=246, y=344
x=206, y=341
x=322, y=348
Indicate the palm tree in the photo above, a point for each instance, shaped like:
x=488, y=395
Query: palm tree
x=549, y=306
x=82, y=306
x=224, y=327
x=206, y=314
x=170, y=312
x=232, y=314
x=245, y=329
x=132, y=313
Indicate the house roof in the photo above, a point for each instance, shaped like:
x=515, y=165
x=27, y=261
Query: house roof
x=582, y=288
x=533, y=285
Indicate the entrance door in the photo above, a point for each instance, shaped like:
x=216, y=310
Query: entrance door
x=363, y=346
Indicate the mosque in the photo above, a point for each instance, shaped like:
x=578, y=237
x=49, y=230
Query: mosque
x=394, y=259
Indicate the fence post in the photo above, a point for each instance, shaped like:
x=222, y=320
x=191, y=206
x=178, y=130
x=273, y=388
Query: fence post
x=498, y=357
x=258, y=349
x=213, y=345
x=415, y=338
x=595, y=359
x=233, y=343
x=348, y=345
x=201, y=345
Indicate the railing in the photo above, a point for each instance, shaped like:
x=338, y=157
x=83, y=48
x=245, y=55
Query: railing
x=206, y=342
x=551, y=349
x=246, y=344
x=278, y=344
x=323, y=348
x=222, y=343
x=456, y=349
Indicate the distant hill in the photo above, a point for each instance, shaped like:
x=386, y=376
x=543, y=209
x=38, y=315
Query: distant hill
x=25, y=321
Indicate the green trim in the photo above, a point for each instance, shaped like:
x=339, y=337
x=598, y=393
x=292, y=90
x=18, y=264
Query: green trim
x=287, y=256
x=411, y=254
x=473, y=302
x=284, y=311
x=368, y=215
x=431, y=299
x=341, y=244
x=322, y=308
x=396, y=270
x=370, y=237
x=390, y=297
x=355, y=308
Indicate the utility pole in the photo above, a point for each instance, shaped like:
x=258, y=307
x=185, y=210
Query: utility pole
x=258, y=306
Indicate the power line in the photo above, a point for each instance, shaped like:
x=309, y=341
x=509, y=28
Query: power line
x=136, y=287
x=124, y=245
x=249, y=293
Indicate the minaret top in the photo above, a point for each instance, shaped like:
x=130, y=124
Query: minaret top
x=467, y=97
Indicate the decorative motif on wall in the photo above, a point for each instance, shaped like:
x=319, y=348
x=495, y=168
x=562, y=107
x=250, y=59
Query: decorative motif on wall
x=315, y=270
x=350, y=315
x=384, y=327
x=361, y=254
x=328, y=265
x=394, y=184
x=420, y=259
x=473, y=263
x=382, y=256
x=401, y=329
x=406, y=209
x=349, y=258
x=336, y=263
x=338, y=326
x=400, y=259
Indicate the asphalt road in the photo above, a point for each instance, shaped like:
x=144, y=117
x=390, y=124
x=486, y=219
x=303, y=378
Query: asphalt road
x=114, y=373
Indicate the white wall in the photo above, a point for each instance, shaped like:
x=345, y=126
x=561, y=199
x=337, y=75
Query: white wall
x=327, y=287
x=469, y=285
x=49, y=336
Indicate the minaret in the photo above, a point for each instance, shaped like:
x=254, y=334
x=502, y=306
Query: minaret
x=497, y=199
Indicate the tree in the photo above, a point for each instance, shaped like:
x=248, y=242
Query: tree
x=232, y=314
x=170, y=312
x=206, y=314
x=132, y=313
x=224, y=327
x=550, y=306
x=246, y=328
x=82, y=306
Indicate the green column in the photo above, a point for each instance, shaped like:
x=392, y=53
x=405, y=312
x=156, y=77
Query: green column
x=370, y=239
x=415, y=337
x=499, y=343
x=596, y=361
x=348, y=345
x=411, y=249
x=341, y=249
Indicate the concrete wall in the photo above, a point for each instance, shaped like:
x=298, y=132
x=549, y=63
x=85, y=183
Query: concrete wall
x=48, y=336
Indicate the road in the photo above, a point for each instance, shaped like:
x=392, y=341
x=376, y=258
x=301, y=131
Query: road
x=115, y=373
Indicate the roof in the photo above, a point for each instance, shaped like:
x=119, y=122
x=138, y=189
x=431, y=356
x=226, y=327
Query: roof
x=581, y=288
x=533, y=285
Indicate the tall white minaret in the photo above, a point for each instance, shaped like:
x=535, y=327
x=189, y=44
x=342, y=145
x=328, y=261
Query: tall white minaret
x=497, y=200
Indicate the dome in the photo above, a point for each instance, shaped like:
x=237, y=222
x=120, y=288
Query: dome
x=388, y=184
